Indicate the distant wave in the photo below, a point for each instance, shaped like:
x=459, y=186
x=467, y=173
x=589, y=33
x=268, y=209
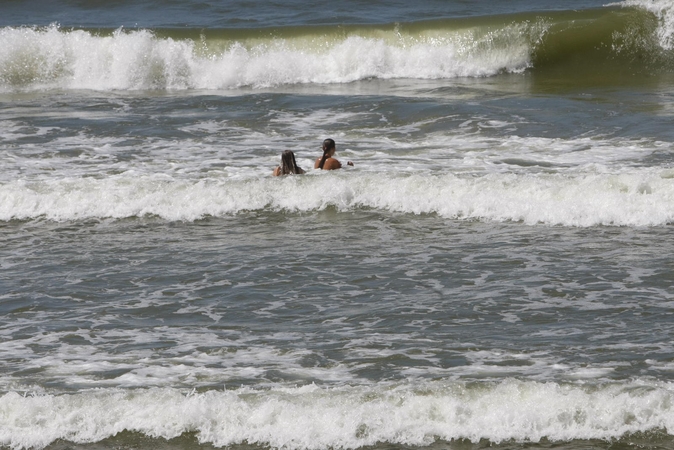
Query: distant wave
x=311, y=417
x=634, y=37
x=639, y=198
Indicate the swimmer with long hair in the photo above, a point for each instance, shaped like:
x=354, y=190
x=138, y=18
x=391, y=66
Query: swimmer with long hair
x=288, y=165
x=327, y=161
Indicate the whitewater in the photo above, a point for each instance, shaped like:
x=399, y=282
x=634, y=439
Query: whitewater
x=494, y=271
x=57, y=57
x=634, y=199
x=348, y=418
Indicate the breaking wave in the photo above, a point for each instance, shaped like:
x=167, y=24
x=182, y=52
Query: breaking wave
x=639, y=198
x=312, y=417
x=635, y=36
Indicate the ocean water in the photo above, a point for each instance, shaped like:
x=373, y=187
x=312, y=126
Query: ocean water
x=495, y=271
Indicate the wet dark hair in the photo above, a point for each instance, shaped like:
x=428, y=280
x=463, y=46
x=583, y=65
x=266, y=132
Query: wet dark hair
x=328, y=145
x=288, y=164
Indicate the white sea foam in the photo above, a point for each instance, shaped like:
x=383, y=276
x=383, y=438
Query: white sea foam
x=664, y=11
x=34, y=58
x=311, y=417
x=39, y=58
x=636, y=198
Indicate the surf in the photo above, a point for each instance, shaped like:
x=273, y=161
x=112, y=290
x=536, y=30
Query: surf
x=629, y=38
x=313, y=417
x=637, y=198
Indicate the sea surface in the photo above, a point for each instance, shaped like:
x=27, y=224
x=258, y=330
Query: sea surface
x=495, y=271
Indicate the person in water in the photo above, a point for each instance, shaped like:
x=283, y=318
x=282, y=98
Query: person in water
x=327, y=161
x=288, y=165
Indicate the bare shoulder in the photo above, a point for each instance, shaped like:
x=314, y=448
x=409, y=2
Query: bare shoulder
x=276, y=172
x=332, y=164
x=318, y=161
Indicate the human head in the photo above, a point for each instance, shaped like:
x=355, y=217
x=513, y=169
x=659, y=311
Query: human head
x=329, y=146
x=288, y=164
x=328, y=150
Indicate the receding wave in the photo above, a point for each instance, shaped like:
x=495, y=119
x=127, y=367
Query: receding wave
x=312, y=417
x=640, y=198
x=632, y=37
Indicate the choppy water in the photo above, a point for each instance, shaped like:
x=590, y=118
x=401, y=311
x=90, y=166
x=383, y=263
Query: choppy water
x=495, y=271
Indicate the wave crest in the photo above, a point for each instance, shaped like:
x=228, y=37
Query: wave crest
x=638, y=36
x=310, y=417
x=51, y=58
x=642, y=198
